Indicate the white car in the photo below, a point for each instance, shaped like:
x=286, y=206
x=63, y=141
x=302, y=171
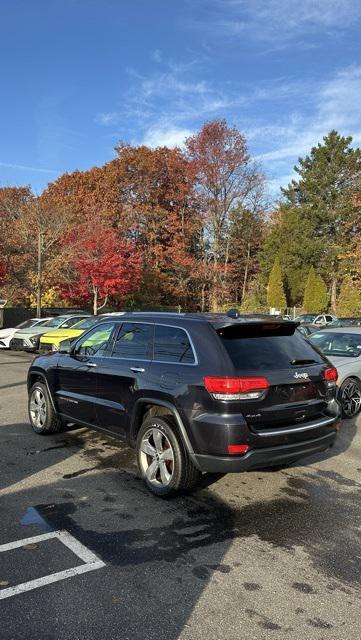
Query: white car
x=314, y=318
x=7, y=334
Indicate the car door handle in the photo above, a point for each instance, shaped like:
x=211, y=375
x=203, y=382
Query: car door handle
x=137, y=369
x=90, y=364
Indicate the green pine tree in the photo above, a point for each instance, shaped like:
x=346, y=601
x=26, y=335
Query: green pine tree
x=323, y=195
x=322, y=294
x=275, y=294
x=349, y=300
x=310, y=292
x=315, y=298
x=317, y=222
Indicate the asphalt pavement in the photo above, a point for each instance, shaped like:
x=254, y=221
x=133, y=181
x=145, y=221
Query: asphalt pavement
x=87, y=552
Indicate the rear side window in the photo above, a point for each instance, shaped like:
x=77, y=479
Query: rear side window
x=134, y=341
x=266, y=347
x=171, y=344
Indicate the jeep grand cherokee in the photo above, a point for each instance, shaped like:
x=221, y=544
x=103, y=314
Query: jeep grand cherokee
x=191, y=393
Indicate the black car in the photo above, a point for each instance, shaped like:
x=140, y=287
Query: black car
x=192, y=393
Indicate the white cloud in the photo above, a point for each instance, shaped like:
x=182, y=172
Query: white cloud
x=335, y=105
x=159, y=136
x=156, y=55
x=23, y=167
x=107, y=119
x=280, y=19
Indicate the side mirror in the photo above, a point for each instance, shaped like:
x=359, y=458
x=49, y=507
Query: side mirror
x=65, y=346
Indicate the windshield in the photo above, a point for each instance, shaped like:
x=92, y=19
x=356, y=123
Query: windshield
x=27, y=323
x=87, y=323
x=55, y=322
x=344, y=345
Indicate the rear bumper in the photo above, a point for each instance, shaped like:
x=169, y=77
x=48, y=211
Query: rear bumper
x=265, y=457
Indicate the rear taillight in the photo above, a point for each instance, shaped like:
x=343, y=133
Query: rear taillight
x=331, y=374
x=247, y=388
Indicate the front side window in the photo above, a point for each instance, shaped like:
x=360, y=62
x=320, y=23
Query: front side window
x=96, y=341
x=134, y=341
x=171, y=344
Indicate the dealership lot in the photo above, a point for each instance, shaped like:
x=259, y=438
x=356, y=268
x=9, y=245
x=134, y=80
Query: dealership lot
x=256, y=555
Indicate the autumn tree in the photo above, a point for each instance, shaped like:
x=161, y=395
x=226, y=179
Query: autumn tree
x=148, y=196
x=13, y=252
x=41, y=229
x=246, y=231
x=99, y=265
x=225, y=177
x=275, y=293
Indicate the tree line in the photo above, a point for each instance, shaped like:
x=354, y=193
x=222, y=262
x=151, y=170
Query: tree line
x=191, y=228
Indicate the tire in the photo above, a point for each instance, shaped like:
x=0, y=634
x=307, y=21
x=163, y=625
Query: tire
x=163, y=461
x=42, y=416
x=349, y=396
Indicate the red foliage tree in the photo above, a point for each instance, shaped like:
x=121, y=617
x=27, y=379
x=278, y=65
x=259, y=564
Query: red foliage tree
x=100, y=265
x=225, y=177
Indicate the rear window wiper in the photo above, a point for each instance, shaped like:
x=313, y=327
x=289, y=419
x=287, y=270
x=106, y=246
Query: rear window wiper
x=299, y=362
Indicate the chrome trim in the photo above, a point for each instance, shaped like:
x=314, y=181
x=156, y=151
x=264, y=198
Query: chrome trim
x=306, y=427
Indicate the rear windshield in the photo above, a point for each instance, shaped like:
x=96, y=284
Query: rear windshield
x=267, y=347
x=345, y=345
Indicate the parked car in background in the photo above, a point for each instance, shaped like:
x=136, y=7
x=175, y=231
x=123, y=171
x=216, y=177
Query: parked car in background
x=342, y=347
x=192, y=393
x=6, y=335
x=314, y=318
x=28, y=339
x=345, y=322
x=307, y=329
x=50, y=341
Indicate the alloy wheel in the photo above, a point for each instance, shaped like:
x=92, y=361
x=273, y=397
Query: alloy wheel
x=351, y=399
x=38, y=408
x=156, y=457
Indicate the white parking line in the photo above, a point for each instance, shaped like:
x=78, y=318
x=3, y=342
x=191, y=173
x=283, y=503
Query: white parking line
x=92, y=562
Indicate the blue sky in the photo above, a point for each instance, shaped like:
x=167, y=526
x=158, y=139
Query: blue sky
x=77, y=76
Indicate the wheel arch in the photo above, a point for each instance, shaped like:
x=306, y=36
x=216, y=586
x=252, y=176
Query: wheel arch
x=35, y=376
x=159, y=407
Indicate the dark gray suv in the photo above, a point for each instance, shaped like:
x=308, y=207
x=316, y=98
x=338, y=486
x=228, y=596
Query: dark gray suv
x=192, y=393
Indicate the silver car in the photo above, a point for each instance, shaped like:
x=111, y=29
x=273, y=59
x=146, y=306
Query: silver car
x=343, y=348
